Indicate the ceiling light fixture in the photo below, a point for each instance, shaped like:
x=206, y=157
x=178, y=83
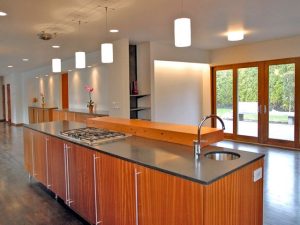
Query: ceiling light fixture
x=107, y=52
x=56, y=65
x=235, y=36
x=3, y=13
x=46, y=75
x=37, y=77
x=69, y=70
x=182, y=31
x=113, y=30
x=55, y=46
x=10, y=66
x=79, y=56
x=25, y=60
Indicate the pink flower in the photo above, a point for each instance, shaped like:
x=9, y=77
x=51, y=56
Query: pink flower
x=91, y=89
x=88, y=88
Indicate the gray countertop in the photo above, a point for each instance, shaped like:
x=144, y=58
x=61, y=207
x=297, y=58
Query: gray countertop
x=166, y=157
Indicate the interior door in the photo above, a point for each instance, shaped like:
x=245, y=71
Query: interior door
x=280, y=103
x=8, y=103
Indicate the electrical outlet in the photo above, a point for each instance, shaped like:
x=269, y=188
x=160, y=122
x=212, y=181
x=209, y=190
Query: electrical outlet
x=257, y=174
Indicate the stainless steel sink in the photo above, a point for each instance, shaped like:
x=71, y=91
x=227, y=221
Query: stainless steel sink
x=222, y=156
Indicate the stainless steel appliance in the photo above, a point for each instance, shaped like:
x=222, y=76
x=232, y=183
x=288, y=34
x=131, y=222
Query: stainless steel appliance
x=93, y=136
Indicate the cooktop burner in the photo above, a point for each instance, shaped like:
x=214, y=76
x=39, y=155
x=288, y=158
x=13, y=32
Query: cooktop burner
x=92, y=135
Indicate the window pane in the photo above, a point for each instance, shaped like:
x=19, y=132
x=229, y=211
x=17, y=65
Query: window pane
x=224, y=83
x=282, y=101
x=248, y=101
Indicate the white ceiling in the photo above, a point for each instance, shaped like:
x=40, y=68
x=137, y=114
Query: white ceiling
x=138, y=20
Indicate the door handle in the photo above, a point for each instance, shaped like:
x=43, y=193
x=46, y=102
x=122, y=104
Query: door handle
x=95, y=188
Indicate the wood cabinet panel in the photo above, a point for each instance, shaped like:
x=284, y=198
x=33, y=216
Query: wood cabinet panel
x=71, y=116
x=235, y=199
x=39, y=157
x=81, y=179
x=115, y=191
x=55, y=115
x=165, y=199
x=82, y=118
x=62, y=115
x=57, y=173
x=27, y=137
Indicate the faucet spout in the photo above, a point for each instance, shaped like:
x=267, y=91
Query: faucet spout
x=197, y=143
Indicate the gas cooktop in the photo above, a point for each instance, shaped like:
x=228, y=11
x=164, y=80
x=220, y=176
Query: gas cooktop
x=92, y=135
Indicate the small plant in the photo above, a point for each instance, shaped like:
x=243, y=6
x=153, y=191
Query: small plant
x=34, y=100
x=89, y=90
x=43, y=99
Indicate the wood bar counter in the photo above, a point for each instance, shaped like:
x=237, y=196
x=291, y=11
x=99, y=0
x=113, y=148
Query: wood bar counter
x=174, y=133
x=38, y=114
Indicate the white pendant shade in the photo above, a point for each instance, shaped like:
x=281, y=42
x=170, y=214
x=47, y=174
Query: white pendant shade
x=107, y=53
x=56, y=65
x=80, y=60
x=182, y=32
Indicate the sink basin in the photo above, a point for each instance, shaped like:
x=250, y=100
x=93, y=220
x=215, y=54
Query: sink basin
x=222, y=156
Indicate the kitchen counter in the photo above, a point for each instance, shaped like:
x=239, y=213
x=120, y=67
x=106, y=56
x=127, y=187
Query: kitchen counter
x=167, y=157
x=85, y=111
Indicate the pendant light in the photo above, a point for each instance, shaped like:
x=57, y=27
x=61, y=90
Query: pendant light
x=56, y=65
x=182, y=31
x=107, y=53
x=80, y=56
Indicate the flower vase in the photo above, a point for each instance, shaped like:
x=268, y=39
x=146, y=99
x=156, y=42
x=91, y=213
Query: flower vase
x=91, y=108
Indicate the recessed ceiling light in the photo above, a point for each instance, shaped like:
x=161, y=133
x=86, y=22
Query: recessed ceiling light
x=235, y=36
x=89, y=66
x=46, y=75
x=10, y=66
x=37, y=77
x=3, y=13
x=25, y=60
x=55, y=46
x=113, y=30
x=69, y=70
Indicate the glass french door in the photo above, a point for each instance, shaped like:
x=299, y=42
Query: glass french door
x=259, y=102
x=280, y=103
x=237, y=100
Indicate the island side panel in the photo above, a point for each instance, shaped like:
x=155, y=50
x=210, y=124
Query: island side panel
x=235, y=199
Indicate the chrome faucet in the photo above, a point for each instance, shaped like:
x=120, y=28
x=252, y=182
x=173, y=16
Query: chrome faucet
x=197, y=143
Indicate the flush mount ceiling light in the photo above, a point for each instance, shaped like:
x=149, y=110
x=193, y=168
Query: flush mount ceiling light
x=182, y=32
x=235, y=36
x=10, y=66
x=56, y=65
x=113, y=30
x=25, y=60
x=55, y=46
x=80, y=55
x=107, y=52
x=3, y=13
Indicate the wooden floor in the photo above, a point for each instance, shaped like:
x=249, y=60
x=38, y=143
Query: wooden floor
x=24, y=203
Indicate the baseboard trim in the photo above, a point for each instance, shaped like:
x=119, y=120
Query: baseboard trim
x=17, y=124
x=2, y=120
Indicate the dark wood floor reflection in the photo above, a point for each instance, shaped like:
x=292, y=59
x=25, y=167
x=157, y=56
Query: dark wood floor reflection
x=21, y=202
x=24, y=203
x=281, y=184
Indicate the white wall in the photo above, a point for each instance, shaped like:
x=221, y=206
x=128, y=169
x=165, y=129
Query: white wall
x=267, y=50
x=178, y=92
x=118, y=92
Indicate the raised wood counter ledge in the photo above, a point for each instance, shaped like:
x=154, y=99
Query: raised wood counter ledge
x=179, y=134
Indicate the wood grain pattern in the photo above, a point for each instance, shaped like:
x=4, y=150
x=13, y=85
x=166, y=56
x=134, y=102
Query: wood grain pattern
x=57, y=168
x=166, y=199
x=180, y=134
x=27, y=137
x=39, y=115
x=82, y=182
x=235, y=199
x=39, y=157
x=115, y=191
x=55, y=115
x=71, y=116
x=82, y=118
x=3, y=102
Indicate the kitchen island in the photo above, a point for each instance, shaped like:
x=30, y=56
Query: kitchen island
x=139, y=180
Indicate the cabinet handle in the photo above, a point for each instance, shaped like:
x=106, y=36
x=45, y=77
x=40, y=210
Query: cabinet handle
x=136, y=173
x=32, y=156
x=95, y=188
x=265, y=109
x=47, y=165
x=66, y=175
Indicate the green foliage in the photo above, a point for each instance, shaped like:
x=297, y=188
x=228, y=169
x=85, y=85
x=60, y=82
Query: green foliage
x=281, y=87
